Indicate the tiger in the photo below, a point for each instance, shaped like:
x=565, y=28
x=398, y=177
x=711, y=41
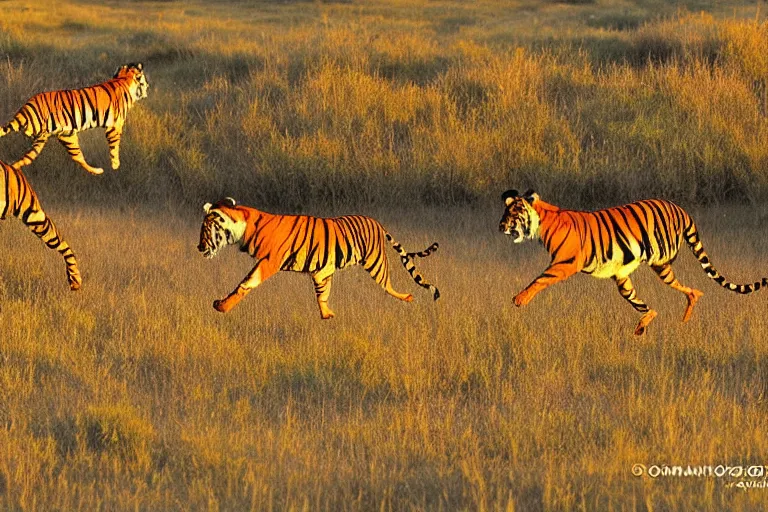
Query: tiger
x=65, y=113
x=610, y=243
x=19, y=199
x=301, y=243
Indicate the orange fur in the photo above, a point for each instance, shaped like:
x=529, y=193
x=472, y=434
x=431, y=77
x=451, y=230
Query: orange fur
x=300, y=243
x=610, y=243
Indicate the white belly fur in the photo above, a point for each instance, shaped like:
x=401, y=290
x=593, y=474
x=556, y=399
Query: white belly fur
x=616, y=268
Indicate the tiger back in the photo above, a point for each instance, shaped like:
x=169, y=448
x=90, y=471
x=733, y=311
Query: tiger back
x=65, y=113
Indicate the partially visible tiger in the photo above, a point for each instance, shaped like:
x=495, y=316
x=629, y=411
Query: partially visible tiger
x=300, y=243
x=610, y=243
x=65, y=113
x=19, y=200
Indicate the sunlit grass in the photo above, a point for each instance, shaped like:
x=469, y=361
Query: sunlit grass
x=135, y=393
x=310, y=104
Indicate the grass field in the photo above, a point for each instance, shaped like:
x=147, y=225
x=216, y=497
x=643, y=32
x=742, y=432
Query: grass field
x=135, y=394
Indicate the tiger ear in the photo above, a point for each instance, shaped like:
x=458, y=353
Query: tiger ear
x=207, y=207
x=530, y=196
x=509, y=196
x=229, y=202
x=140, y=66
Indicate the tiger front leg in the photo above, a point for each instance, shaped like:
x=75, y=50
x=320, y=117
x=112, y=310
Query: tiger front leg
x=231, y=300
x=627, y=290
x=255, y=277
x=553, y=274
x=323, y=290
x=113, y=139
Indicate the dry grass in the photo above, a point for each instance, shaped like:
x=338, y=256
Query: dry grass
x=307, y=105
x=135, y=394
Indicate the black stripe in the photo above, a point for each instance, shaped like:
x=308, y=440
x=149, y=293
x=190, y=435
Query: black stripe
x=642, y=224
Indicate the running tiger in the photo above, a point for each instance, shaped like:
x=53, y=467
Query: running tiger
x=610, y=243
x=20, y=200
x=300, y=243
x=65, y=113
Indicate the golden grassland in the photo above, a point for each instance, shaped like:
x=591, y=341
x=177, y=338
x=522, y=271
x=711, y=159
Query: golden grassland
x=307, y=104
x=135, y=394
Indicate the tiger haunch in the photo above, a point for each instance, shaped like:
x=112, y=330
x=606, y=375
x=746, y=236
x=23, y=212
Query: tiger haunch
x=19, y=200
x=65, y=113
x=610, y=243
x=300, y=243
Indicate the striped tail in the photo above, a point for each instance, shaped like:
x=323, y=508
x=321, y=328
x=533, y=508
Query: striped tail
x=692, y=237
x=405, y=258
x=423, y=254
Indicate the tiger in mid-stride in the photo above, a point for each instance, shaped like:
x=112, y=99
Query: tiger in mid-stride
x=65, y=113
x=300, y=243
x=18, y=199
x=610, y=243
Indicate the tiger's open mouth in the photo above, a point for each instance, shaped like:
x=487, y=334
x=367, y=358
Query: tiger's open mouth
x=516, y=235
x=208, y=250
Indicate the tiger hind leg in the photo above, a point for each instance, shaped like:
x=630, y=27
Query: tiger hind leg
x=379, y=271
x=44, y=228
x=34, y=151
x=73, y=274
x=405, y=297
x=323, y=290
x=387, y=285
x=627, y=290
x=666, y=274
x=72, y=145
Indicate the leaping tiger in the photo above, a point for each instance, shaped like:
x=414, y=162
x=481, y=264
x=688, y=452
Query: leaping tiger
x=610, y=243
x=18, y=199
x=300, y=243
x=65, y=113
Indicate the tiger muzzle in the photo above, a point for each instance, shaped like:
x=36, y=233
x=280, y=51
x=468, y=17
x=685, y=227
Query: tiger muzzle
x=507, y=229
x=206, y=247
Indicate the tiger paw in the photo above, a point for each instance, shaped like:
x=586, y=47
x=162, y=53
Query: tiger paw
x=75, y=282
x=523, y=298
x=95, y=170
x=223, y=305
x=644, y=321
x=115, y=165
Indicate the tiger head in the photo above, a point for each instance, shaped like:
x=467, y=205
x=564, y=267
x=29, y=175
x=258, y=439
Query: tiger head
x=223, y=225
x=520, y=219
x=135, y=73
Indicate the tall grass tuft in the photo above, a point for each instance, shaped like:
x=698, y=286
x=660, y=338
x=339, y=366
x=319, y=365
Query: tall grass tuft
x=369, y=106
